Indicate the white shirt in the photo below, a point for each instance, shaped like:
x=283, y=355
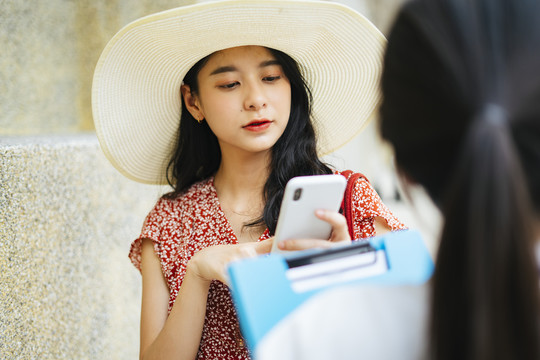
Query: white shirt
x=353, y=322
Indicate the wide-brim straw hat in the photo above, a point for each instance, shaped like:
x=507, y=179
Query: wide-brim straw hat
x=136, y=98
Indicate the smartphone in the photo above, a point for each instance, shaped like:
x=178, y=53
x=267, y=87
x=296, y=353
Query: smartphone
x=302, y=197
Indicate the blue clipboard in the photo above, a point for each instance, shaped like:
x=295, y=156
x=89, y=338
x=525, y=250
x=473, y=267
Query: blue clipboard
x=263, y=293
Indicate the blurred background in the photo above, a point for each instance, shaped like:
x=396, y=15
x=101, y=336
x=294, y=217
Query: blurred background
x=67, y=218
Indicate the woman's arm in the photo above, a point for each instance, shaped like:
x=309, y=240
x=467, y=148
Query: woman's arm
x=381, y=226
x=178, y=335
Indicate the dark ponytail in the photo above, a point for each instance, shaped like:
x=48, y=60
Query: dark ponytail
x=485, y=294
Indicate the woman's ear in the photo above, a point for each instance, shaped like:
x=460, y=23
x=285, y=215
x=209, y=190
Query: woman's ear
x=192, y=102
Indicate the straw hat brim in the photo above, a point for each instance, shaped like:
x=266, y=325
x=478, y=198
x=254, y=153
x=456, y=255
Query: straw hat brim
x=135, y=96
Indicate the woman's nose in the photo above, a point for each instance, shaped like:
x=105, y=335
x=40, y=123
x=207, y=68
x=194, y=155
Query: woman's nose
x=255, y=97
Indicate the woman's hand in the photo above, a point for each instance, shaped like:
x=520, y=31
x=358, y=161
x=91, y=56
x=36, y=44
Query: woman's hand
x=211, y=263
x=340, y=234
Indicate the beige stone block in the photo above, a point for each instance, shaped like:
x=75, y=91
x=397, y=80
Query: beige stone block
x=49, y=51
x=67, y=218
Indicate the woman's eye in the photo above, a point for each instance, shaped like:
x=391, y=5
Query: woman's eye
x=272, y=78
x=229, y=85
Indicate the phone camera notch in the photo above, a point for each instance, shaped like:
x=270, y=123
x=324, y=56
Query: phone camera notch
x=297, y=194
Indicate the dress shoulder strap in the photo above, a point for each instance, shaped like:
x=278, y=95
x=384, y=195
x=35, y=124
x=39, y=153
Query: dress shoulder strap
x=346, y=206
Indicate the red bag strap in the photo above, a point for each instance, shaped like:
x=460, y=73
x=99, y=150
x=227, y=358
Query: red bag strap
x=351, y=177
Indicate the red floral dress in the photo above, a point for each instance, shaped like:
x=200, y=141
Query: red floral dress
x=193, y=221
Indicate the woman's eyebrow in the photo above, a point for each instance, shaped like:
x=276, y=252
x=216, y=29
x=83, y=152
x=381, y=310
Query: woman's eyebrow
x=230, y=68
x=269, y=63
x=224, y=69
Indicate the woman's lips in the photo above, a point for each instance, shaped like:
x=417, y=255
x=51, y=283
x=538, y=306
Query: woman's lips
x=258, y=125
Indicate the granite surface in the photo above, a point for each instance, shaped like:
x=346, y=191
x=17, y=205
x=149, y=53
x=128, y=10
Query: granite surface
x=49, y=51
x=67, y=218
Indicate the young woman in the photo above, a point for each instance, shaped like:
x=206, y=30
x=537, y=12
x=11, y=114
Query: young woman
x=461, y=108
x=235, y=74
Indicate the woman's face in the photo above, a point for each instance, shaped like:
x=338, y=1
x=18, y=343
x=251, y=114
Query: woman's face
x=244, y=97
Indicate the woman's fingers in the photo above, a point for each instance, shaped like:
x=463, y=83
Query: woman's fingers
x=241, y=251
x=303, y=244
x=340, y=232
x=264, y=246
x=216, y=258
x=245, y=252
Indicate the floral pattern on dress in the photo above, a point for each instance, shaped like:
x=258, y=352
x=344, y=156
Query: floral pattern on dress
x=195, y=220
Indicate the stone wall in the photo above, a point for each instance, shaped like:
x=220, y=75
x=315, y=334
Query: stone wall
x=49, y=50
x=67, y=288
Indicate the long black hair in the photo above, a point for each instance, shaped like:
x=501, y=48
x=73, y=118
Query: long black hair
x=197, y=154
x=461, y=108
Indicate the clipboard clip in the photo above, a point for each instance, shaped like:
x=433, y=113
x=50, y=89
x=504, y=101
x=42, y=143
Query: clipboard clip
x=322, y=268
